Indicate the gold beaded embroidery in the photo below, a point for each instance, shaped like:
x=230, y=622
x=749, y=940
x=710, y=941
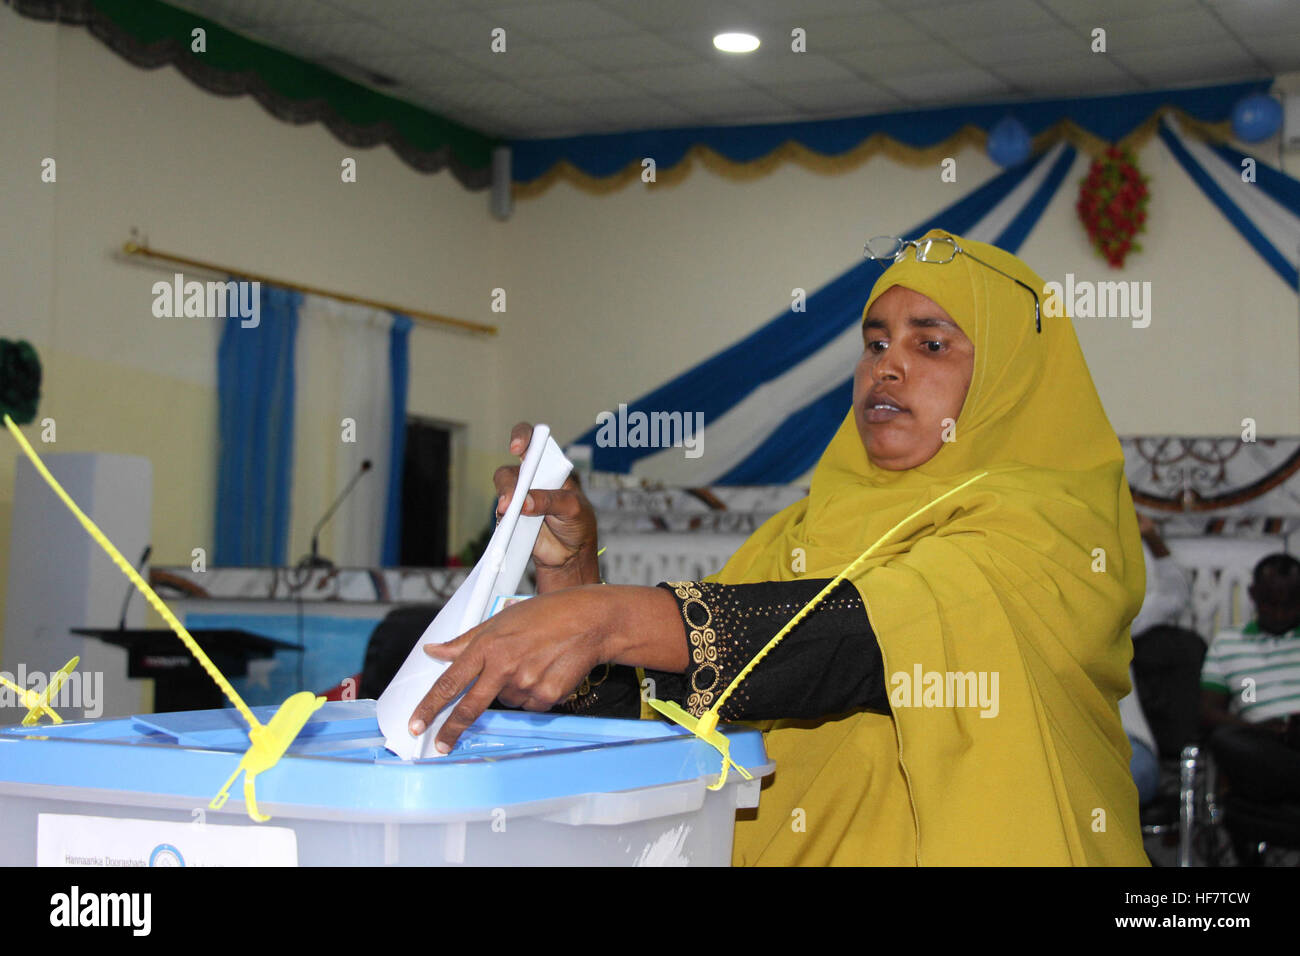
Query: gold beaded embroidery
x=715, y=621
x=588, y=685
x=704, y=650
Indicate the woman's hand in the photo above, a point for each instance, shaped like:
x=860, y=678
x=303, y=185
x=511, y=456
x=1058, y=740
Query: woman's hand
x=534, y=653
x=565, y=552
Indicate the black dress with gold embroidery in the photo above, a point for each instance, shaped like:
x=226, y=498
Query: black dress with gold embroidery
x=829, y=663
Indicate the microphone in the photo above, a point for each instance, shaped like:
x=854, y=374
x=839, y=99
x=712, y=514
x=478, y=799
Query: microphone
x=314, y=560
x=139, y=566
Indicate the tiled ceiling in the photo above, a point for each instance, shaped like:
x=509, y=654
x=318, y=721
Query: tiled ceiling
x=591, y=66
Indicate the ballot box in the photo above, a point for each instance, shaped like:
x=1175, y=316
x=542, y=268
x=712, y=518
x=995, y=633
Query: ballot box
x=519, y=789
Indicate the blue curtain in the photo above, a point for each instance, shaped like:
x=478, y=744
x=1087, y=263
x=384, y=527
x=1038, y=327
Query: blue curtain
x=255, y=392
x=399, y=363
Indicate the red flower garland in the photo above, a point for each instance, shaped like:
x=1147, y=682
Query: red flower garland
x=1112, y=204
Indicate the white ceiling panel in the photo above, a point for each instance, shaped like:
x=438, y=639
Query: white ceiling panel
x=715, y=102
x=600, y=65
x=640, y=113
x=1256, y=17
x=526, y=61
x=463, y=32
x=1049, y=45
x=667, y=16
x=380, y=9
x=856, y=33
x=825, y=98
x=1174, y=29
x=359, y=41
x=896, y=60
x=982, y=18
x=261, y=12
x=950, y=86
x=1097, y=74
x=563, y=21
x=626, y=52
x=1100, y=13
x=1224, y=62
x=783, y=10
x=1278, y=51
x=686, y=79
x=779, y=67
x=582, y=88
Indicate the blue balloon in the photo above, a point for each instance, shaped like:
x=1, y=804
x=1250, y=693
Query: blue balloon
x=1256, y=117
x=1008, y=142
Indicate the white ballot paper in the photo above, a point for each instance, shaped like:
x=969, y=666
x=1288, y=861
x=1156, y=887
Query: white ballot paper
x=497, y=573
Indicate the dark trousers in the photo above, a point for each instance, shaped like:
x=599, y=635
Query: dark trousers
x=1259, y=766
x=1167, y=674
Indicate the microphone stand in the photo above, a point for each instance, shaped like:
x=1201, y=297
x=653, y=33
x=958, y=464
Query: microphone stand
x=130, y=591
x=315, y=560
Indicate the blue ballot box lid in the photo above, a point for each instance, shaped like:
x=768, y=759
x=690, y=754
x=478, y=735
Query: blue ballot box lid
x=339, y=763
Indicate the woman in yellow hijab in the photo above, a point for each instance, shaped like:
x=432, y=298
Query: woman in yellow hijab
x=997, y=619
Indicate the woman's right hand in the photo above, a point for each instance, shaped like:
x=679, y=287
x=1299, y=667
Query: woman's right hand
x=565, y=552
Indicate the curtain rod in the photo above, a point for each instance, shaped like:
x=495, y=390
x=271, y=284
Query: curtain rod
x=133, y=248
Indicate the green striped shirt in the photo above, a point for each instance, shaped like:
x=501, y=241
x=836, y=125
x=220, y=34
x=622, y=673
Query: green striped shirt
x=1259, y=672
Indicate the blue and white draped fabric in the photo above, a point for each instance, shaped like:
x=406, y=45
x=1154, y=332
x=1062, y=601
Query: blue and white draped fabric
x=1109, y=118
x=771, y=402
x=1263, y=208
x=286, y=390
x=350, y=407
x=255, y=431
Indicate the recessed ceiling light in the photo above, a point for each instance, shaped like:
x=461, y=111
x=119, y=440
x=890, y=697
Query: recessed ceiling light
x=736, y=42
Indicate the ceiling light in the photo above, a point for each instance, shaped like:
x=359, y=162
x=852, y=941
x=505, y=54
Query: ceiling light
x=736, y=42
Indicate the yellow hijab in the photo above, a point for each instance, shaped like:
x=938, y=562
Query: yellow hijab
x=1032, y=574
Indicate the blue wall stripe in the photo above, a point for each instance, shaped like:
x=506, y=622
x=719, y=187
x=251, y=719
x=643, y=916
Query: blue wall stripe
x=1013, y=237
x=1231, y=211
x=1274, y=183
x=794, y=447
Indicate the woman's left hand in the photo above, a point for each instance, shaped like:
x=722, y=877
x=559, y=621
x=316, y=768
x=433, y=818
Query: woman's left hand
x=530, y=655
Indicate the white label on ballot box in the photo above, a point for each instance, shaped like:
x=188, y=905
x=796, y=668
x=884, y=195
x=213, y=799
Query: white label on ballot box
x=68, y=840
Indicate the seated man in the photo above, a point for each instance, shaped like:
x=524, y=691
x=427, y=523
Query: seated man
x=1250, y=688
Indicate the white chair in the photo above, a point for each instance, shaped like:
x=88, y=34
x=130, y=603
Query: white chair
x=1220, y=570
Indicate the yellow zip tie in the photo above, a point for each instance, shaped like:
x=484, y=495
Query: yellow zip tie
x=267, y=743
x=268, y=746
x=36, y=703
x=705, y=726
